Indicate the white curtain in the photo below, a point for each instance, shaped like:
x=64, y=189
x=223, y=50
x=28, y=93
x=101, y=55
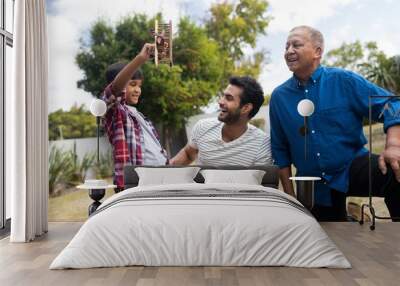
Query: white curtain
x=26, y=129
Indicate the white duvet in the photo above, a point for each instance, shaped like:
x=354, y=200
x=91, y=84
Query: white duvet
x=132, y=229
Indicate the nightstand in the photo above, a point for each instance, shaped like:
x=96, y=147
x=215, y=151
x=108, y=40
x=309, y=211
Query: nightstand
x=97, y=190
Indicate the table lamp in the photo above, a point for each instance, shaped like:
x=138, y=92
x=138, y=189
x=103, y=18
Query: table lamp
x=305, y=185
x=305, y=108
x=98, y=108
x=97, y=188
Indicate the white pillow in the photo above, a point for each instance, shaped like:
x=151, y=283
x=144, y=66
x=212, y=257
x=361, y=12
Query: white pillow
x=166, y=176
x=249, y=177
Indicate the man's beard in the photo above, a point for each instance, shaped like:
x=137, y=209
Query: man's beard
x=230, y=117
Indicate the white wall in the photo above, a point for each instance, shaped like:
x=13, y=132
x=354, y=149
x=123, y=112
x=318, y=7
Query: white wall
x=83, y=145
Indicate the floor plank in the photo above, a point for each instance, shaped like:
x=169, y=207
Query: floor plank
x=374, y=255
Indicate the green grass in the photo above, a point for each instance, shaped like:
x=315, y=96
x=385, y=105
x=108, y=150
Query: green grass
x=72, y=205
x=378, y=137
x=378, y=204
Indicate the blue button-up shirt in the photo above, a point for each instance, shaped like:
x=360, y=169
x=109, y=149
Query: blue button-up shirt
x=335, y=138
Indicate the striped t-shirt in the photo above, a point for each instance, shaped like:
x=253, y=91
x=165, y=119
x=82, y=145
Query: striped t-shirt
x=252, y=148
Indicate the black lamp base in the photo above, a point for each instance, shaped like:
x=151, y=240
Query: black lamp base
x=305, y=193
x=96, y=195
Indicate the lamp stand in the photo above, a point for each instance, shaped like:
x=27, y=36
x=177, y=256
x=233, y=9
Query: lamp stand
x=305, y=138
x=98, y=139
x=369, y=204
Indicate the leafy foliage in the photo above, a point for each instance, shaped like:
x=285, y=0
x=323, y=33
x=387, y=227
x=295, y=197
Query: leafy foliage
x=204, y=57
x=169, y=94
x=65, y=169
x=267, y=99
x=347, y=56
x=259, y=123
x=80, y=166
x=106, y=165
x=61, y=168
x=75, y=123
x=369, y=61
x=235, y=27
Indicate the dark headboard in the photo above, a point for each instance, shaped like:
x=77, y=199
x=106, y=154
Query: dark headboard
x=270, y=179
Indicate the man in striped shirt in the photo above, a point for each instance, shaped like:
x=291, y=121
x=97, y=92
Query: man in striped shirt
x=230, y=139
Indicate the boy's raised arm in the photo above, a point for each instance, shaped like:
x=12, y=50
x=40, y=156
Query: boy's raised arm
x=123, y=77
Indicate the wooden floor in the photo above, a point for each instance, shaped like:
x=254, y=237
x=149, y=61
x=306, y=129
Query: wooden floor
x=375, y=256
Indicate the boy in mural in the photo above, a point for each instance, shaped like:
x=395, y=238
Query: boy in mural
x=133, y=137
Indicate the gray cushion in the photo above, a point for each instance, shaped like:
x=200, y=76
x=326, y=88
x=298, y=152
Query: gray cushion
x=270, y=179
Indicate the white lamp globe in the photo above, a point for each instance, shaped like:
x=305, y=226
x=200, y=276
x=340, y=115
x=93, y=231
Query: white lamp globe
x=98, y=107
x=305, y=107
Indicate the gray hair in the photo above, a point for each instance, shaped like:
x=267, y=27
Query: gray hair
x=315, y=35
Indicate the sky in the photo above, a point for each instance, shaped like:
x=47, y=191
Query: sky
x=339, y=21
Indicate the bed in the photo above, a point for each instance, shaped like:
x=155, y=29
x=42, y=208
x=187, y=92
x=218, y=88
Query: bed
x=201, y=224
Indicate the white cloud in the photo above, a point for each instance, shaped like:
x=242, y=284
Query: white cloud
x=341, y=34
x=384, y=31
x=273, y=75
x=385, y=35
x=290, y=13
x=63, y=73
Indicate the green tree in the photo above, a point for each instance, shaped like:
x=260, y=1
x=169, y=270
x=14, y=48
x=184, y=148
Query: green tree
x=61, y=168
x=236, y=27
x=75, y=123
x=347, y=56
x=173, y=94
x=107, y=45
x=203, y=61
x=395, y=71
x=170, y=95
x=267, y=99
x=369, y=61
x=378, y=68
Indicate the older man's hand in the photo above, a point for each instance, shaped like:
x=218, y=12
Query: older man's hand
x=390, y=156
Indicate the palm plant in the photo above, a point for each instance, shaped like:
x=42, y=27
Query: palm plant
x=61, y=168
x=65, y=169
x=81, y=166
x=104, y=168
x=395, y=71
x=379, y=70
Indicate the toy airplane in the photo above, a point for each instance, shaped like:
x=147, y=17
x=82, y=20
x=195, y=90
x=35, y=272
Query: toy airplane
x=163, y=41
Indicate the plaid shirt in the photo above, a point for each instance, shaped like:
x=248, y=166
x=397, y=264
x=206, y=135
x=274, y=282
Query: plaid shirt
x=125, y=135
